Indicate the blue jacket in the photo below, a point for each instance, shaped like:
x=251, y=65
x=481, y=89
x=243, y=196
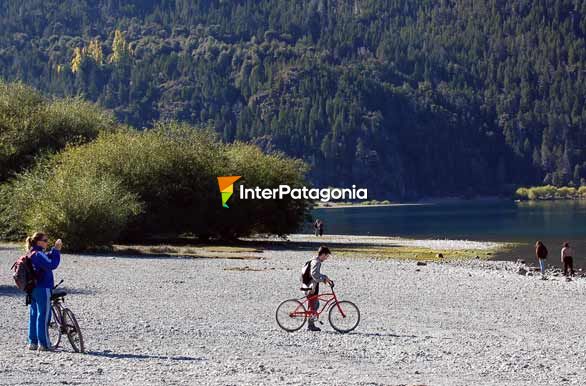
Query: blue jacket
x=44, y=264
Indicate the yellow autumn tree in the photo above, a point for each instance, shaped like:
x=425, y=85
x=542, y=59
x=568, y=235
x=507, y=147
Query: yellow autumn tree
x=95, y=52
x=78, y=53
x=119, y=47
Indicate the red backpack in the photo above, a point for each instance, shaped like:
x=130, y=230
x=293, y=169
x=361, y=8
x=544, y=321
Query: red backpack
x=24, y=275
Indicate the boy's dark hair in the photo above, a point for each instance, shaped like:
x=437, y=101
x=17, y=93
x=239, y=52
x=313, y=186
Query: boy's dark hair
x=323, y=250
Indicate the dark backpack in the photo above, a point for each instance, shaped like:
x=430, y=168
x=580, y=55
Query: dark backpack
x=306, y=273
x=24, y=274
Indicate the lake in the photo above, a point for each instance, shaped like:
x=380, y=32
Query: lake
x=553, y=222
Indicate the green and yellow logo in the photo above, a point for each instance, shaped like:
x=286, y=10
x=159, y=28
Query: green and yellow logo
x=226, y=184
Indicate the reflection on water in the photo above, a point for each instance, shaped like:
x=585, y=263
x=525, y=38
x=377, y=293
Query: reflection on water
x=553, y=222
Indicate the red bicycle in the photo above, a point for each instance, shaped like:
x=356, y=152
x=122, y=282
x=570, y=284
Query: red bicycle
x=343, y=316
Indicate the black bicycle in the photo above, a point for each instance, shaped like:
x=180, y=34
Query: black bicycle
x=63, y=322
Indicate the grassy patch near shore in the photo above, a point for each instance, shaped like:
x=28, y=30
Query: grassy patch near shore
x=191, y=251
x=343, y=246
x=413, y=253
x=238, y=252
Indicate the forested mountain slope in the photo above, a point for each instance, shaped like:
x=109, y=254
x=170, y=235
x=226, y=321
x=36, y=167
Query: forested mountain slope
x=409, y=98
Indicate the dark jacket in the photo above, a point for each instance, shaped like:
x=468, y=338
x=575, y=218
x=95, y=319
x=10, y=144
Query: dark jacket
x=541, y=252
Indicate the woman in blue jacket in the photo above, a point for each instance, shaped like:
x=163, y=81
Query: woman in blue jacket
x=40, y=307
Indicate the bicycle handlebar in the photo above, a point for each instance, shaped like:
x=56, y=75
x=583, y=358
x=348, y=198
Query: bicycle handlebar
x=58, y=284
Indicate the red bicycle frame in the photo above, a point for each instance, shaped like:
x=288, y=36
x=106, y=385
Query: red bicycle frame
x=329, y=299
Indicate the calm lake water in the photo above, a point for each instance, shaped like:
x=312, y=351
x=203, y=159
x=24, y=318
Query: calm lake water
x=553, y=222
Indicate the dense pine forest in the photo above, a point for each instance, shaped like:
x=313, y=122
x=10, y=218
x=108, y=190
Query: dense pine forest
x=409, y=98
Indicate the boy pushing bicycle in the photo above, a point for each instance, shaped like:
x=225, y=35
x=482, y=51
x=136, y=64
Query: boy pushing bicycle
x=311, y=276
x=292, y=314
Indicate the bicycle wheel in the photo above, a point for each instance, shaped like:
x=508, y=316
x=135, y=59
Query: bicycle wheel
x=73, y=331
x=291, y=315
x=345, y=320
x=54, y=329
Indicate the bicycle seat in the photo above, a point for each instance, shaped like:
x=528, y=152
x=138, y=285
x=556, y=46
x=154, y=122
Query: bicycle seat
x=305, y=289
x=58, y=294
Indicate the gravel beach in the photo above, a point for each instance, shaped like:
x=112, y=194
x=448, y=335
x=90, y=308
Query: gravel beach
x=200, y=321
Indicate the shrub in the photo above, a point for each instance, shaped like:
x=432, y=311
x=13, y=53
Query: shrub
x=85, y=210
x=171, y=168
x=31, y=125
x=171, y=171
x=566, y=192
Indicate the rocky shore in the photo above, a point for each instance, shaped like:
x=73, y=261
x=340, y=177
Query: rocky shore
x=152, y=320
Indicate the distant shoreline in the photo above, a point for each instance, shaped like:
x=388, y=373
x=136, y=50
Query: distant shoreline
x=422, y=202
x=361, y=205
x=549, y=199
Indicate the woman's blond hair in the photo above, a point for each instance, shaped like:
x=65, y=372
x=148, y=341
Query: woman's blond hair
x=31, y=241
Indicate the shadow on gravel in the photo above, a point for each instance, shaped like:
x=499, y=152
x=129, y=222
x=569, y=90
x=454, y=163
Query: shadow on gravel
x=77, y=291
x=160, y=256
x=131, y=255
x=10, y=290
x=388, y=335
x=113, y=355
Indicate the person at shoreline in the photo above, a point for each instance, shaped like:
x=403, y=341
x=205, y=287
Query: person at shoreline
x=541, y=254
x=568, y=260
x=311, y=276
x=318, y=227
x=40, y=306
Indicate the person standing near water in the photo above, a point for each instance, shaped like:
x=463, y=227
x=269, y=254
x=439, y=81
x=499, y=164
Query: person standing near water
x=318, y=227
x=541, y=254
x=567, y=260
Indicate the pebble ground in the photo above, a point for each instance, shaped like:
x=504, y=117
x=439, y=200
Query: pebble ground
x=167, y=321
